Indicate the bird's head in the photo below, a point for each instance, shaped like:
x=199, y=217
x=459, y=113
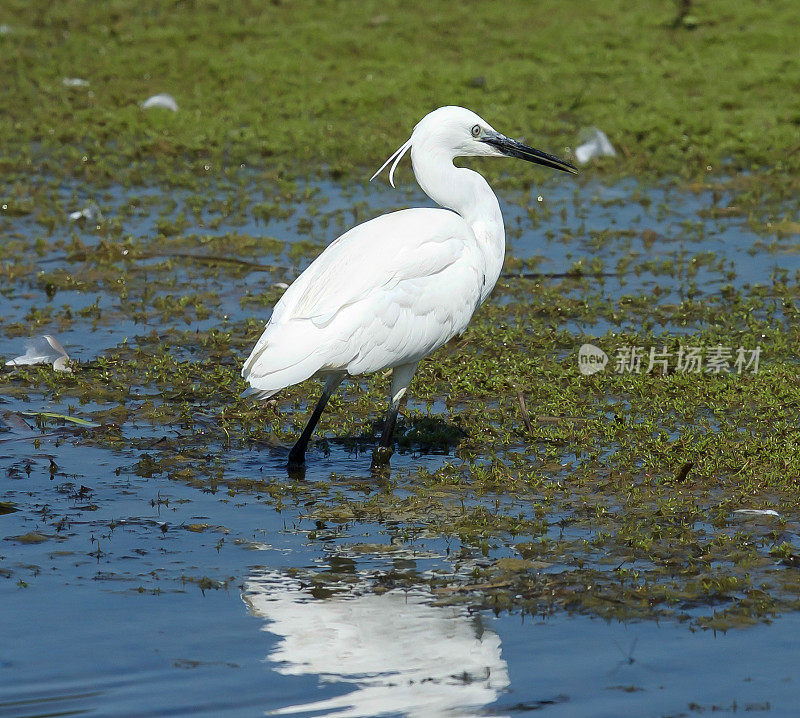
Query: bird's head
x=459, y=132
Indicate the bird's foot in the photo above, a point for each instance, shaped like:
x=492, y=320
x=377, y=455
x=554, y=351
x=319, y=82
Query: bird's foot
x=297, y=462
x=381, y=456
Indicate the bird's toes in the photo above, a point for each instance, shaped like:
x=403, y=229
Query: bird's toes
x=381, y=456
x=296, y=471
x=296, y=462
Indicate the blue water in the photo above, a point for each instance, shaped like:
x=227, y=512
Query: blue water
x=113, y=621
x=573, y=225
x=149, y=597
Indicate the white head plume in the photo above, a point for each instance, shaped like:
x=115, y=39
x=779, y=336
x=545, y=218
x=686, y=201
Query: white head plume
x=397, y=155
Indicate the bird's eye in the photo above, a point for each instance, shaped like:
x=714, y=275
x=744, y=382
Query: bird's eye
x=476, y=131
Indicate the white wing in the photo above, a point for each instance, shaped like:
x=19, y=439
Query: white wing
x=386, y=293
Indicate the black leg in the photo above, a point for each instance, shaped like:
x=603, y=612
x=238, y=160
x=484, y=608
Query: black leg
x=297, y=456
x=383, y=452
x=388, y=426
x=401, y=378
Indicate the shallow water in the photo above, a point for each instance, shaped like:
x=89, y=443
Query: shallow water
x=130, y=594
x=662, y=242
x=118, y=620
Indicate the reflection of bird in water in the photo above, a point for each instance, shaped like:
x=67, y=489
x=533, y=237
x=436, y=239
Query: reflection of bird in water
x=400, y=654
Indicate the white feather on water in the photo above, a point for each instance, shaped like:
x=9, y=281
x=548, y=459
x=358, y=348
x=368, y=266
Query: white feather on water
x=45, y=349
x=168, y=102
x=91, y=213
x=595, y=144
x=755, y=512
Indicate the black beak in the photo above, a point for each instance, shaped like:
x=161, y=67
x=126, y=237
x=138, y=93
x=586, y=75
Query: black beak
x=512, y=148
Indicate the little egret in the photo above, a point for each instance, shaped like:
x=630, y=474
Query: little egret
x=392, y=290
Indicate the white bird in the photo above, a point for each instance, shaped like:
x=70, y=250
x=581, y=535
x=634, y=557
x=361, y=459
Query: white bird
x=392, y=290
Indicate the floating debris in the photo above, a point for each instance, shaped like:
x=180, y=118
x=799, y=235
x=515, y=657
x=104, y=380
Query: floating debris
x=61, y=417
x=280, y=285
x=162, y=100
x=6, y=29
x=91, y=213
x=756, y=512
x=594, y=144
x=12, y=421
x=74, y=82
x=45, y=349
x=32, y=537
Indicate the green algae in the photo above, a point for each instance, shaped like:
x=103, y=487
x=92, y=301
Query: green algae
x=338, y=86
x=595, y=482
x=612, y=494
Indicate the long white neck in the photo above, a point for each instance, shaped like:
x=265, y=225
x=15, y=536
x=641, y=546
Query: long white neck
x=457, y=188
x=469, y=194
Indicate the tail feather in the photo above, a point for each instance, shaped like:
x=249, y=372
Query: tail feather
x=270, y=383
x=273, y=372
x=284, y=355
x=257, y=394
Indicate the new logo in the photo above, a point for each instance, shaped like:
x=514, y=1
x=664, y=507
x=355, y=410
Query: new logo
x=591, y=359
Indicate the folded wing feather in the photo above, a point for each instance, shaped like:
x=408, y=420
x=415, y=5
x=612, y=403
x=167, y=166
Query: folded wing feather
x=387, y=291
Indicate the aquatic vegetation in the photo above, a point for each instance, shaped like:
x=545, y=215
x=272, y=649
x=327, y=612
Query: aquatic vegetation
x=543, y=481
x=536, y=487
x=280, y=91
